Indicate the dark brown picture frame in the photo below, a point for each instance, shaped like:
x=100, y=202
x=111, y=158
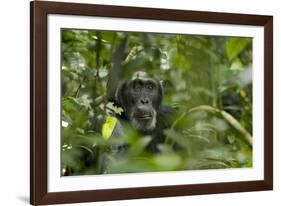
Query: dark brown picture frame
x=38, y=102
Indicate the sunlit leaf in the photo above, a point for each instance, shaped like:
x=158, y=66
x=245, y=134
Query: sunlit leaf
x=235, y=45
x=108, y=127
x=237, y=66
x=64, y=123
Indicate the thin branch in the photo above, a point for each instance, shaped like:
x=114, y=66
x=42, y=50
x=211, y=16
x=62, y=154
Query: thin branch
x=98, y=48
x=229, y=118
x=79, y=87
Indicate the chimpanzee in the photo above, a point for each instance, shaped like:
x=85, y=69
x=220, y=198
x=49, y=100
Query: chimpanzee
x=141, y=99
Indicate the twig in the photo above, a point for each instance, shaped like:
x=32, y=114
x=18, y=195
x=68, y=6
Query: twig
x=229, y=118
x=79, y=87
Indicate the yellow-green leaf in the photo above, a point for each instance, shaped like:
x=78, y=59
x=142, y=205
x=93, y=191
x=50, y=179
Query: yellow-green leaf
x=235, y=45
x=108, y=127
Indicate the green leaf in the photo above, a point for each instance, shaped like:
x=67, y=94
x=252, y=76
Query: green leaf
x=71, y=156
x=236, y=45
x=231, y=139
x=167, y=161
x=139, y=145
x=116, y=110
x=237, y=65
x=108, y=127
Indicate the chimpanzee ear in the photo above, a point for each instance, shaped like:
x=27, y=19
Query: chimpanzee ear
x=161, y=87
x=120, y=93
x=160, y=91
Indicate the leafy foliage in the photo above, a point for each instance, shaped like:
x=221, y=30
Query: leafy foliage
x=196, y=70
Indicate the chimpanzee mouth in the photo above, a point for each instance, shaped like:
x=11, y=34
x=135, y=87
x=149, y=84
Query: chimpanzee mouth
x=144, y=117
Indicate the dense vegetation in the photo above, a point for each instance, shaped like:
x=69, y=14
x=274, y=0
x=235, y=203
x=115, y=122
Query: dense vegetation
x=206, y=78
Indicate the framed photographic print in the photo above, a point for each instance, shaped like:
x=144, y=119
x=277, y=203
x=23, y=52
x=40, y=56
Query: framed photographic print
x=131, y=102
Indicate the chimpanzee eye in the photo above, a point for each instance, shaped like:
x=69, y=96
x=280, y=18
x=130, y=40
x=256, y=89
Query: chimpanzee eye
x=150, y=86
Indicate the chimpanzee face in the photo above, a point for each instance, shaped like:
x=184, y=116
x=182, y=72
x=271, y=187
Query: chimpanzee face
x=140, y=98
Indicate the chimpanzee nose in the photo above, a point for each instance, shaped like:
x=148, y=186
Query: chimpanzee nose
x=144, y=100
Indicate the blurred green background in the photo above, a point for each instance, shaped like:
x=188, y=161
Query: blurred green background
x=207, y=79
